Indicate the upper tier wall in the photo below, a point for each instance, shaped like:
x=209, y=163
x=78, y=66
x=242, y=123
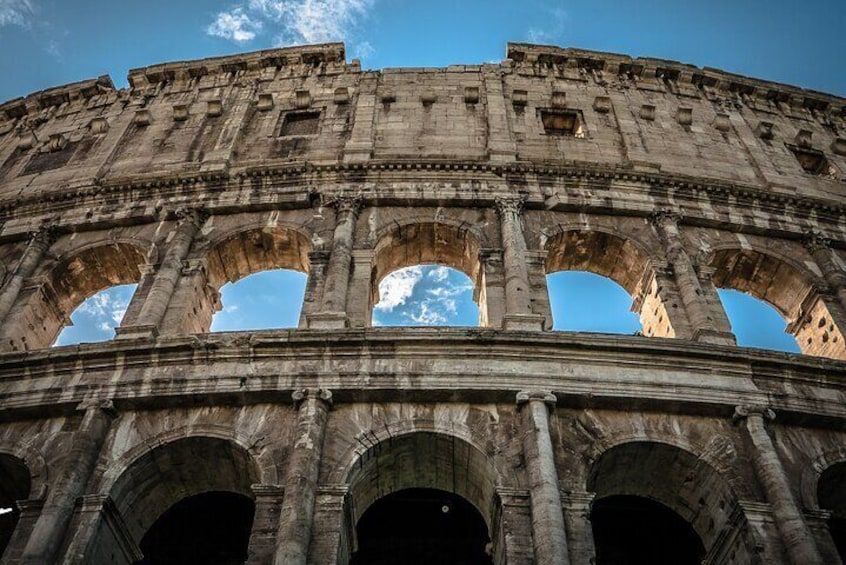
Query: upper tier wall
x=229, y=116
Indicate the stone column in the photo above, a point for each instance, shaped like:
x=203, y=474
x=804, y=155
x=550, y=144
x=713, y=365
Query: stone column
x=317, y=262
x=491, y=286
x=794, y=532
x=167, y=275
x=518, y=290
x=29, y=510
x=550, y=536
x=49, y=531
x=702, y=324
x=512, y=535
x=262, y=546
x=331, y=541
x=297, y=514
x=820, y=249
x=39, y=242
x=98, y=520
x=577, y=506
x=333, y=308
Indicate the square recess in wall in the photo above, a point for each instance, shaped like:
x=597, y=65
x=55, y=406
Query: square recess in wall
x=814, y=162
x=563, y=122
x=299, y=123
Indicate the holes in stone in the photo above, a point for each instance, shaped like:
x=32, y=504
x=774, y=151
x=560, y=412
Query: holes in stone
x=567, y=123
x=299, y=123
x=422, y=526
x=822, y=323
x=265, y=300
x=638, y=531
x=212, y=527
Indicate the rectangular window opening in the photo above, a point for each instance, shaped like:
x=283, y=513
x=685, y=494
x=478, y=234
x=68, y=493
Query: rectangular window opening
x=300, y=123
x=814, y=162
x=567, y=123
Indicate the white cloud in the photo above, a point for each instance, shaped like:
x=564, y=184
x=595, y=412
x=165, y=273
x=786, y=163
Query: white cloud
x=396, y=288
x=427, y=316
x=6, y=511
x=16, y=12
x=235, y=25
x=552, y=29
x=439, y=274
x=106, y=308
x=295, y=22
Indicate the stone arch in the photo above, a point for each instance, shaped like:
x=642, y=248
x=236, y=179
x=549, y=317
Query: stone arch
x=812, y=318
x=265, y=466
x=233, y=255
x=626, y=261
x=442, y=242
x=170, y=472
x=811, y=475
x=473, y=478
x=35, y=464
x=65, y=283
x=677, y=479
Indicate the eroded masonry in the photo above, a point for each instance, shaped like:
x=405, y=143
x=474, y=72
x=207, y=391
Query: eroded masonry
x=508, y=443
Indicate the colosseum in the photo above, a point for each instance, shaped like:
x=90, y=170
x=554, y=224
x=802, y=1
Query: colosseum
x=340, y=442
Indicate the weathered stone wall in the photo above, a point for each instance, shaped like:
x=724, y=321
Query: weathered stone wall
x=671, y=180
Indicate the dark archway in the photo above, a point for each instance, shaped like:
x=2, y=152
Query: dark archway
x=831, y=494
x=422, y=526
x=14, y=485
x=212, y=528
x=633, y=530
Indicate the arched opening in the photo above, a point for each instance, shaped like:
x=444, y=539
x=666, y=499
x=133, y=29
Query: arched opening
x=831, y=495
x=270, y=253
x=422, y=526
x=426, y=295
x=265, y=300
x=417, y=254
x=790, y=291
x=43, y=312
x=615, y=263
x=756, y=323
x=173, y=489
x=213, y=527
x=633, y=530
x=98, y=316
x=644, y=489
x=409, y=474
x=15, y=485
x=587, y=302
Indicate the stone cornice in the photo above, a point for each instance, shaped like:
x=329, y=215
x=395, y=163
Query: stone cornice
x=183, y=187
x=269, y=366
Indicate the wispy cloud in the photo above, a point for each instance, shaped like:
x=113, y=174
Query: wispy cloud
x=552, y=29
x=106, y=308
x=397, y=288
x=295, y=22
x=234, y=25
x=16, y=12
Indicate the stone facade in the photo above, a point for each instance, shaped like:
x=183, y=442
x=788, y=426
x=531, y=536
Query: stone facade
x=669, y=179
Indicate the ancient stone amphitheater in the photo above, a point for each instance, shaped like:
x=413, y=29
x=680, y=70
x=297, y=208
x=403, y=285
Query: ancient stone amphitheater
x=507, y=443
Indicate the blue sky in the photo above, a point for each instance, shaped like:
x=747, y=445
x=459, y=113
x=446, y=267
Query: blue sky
x=46, y=43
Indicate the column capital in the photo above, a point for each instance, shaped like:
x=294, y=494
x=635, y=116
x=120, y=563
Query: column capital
x=107, y=406
x=665, y=218
x=490, y=254
x=746, y=410
x=301, y=395
x=510, y=204
x=268, y=490
x=527, y=396
x=46, y=234
x=347, y=204
x=196, y=216
x=815, y=241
